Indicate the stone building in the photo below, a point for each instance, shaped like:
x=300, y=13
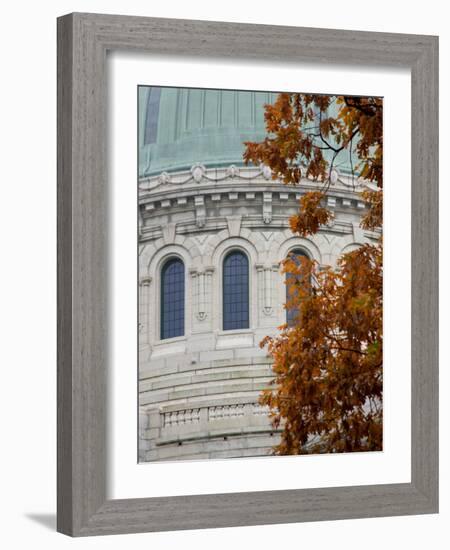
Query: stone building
x=212, y=233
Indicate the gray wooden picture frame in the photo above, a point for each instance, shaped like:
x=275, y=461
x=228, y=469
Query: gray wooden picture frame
x=83, y=41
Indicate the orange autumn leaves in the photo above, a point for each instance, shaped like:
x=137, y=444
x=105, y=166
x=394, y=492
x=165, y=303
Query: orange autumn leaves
x=328, y=385
x=312, y=215
x=328, y=364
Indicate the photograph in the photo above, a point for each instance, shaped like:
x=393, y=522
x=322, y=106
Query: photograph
x=221, y=256
x=260, y=316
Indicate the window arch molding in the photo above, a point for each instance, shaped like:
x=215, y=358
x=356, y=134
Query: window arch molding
x=347, y=244
x=308, y=247
x=298, y=243
x=155, y=267
x=300, y=250
x=221, y=251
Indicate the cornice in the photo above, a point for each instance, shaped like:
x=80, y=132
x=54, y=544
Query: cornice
x=199, y=189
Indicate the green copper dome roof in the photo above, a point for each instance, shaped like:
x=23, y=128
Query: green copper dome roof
x=179, y=127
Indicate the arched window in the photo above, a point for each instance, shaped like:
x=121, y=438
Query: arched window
x=291, y=313
x=172, y=299
x=235, y=291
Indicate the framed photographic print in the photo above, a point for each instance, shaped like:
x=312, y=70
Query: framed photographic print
x=223, y=212
x=247, y=270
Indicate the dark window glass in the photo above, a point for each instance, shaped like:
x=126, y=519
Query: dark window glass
x=172, y=299
x=151, y=120
x=291, y=313
x=235, y=291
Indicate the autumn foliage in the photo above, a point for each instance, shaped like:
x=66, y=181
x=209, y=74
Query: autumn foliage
x=328, y=386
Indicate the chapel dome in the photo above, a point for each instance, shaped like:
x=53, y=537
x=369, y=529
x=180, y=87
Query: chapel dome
x=180, y=127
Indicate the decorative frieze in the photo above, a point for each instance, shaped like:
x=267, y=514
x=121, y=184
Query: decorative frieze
x=199, y=173
x=202, y=213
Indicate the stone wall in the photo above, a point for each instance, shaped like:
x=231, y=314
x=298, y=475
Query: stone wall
x=199, y=392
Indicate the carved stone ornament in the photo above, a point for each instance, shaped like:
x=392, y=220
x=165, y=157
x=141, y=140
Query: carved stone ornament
x=198, y=171
x=200, y=211
x=232, y=171
x=267, y=208
x=266, y=172
x=164, y=178
x=145, y=280
x=334, y=176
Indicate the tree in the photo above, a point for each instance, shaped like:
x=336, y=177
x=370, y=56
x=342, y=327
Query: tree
x=328, y=386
